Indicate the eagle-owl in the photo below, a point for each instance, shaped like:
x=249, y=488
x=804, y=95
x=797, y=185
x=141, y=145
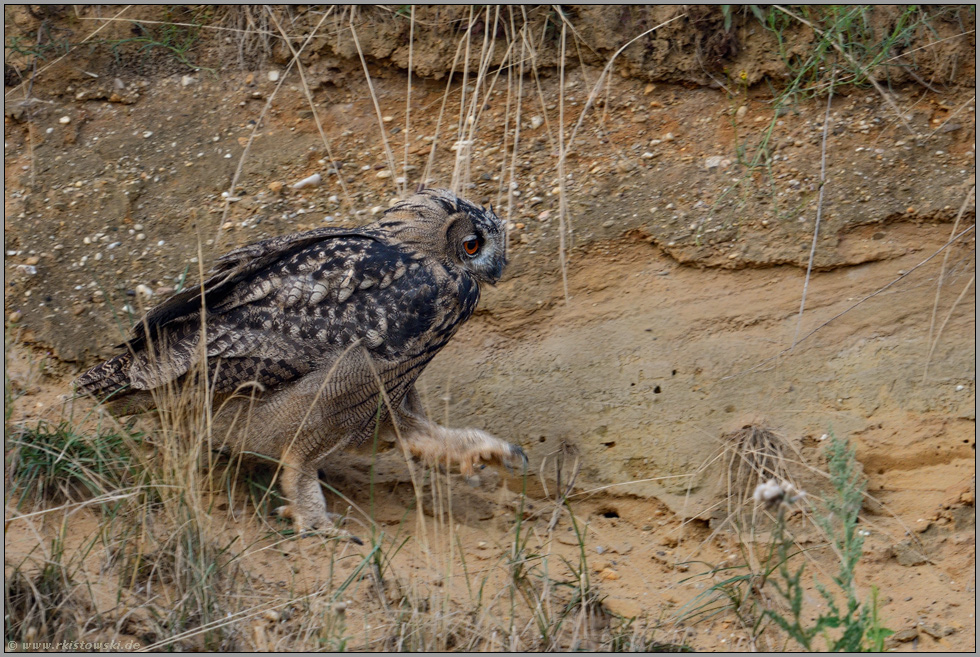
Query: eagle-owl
x=314, y=342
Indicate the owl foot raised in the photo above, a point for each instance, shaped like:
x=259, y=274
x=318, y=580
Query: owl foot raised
x=470, y=449
x=499, y=452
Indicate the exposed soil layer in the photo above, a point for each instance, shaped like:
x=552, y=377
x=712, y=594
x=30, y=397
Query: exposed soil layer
x=675, y=320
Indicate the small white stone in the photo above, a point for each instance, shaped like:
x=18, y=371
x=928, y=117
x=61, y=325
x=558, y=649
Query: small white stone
x=186, y=81
x=384, y=173
x=536, y=122
x=309, y=181
x=273, y=76
x=64, y=120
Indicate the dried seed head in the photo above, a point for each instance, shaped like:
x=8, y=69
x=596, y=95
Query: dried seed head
x=772, y=493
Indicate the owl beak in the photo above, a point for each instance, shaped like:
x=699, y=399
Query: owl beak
x=496, y=270
x=496, y=273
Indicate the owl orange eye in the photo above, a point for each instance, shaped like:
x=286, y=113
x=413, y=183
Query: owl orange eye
x=471, y=246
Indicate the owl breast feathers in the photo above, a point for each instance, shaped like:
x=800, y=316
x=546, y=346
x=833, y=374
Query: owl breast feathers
x=315, y=340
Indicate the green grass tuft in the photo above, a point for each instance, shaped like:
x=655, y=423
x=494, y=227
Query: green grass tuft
x=57, y=462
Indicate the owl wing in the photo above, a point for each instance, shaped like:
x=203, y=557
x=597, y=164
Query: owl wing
x=278, y=309
x=230, y=270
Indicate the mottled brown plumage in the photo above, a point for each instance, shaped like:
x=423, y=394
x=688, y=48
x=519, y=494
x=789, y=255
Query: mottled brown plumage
x=313, y=339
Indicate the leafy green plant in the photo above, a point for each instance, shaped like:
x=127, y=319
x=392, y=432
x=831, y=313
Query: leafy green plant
x=856, y=625
x=770, y=590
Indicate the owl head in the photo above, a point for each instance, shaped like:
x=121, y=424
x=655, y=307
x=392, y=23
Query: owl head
x=453, y=230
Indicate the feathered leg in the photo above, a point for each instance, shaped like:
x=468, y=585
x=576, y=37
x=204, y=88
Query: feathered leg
x=307, y=507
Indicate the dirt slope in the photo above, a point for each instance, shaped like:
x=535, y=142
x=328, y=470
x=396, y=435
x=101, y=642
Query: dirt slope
x=684, y=279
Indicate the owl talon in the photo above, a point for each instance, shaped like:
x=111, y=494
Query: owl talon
x=332, y=532
x=324, y=525
x=286, y=511
x=517, y=453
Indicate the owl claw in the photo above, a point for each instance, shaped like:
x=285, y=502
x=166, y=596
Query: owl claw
x=331, y=532
x=517, y=453
x=323, y=526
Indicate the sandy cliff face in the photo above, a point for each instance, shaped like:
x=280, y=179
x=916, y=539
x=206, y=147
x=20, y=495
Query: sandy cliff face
x=685, y=266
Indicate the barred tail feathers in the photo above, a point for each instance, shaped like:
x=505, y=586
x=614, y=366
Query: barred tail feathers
x=106, y=378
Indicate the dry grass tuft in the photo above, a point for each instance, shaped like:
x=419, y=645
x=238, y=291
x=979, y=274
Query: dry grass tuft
x=41, y=602
x=754, y=453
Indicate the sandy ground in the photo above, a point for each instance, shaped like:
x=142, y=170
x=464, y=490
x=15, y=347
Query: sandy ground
x=678, y=328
